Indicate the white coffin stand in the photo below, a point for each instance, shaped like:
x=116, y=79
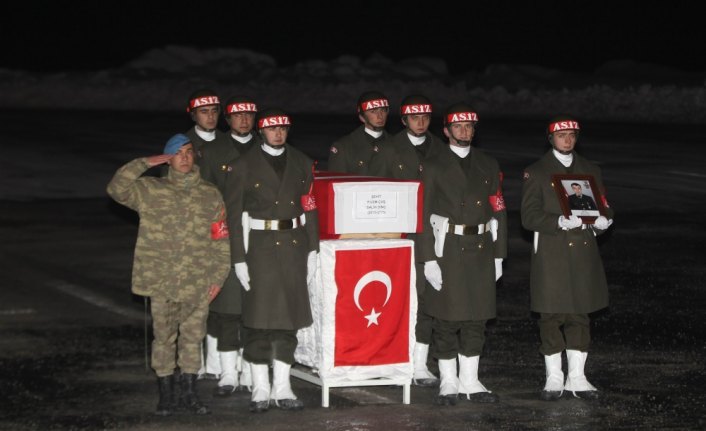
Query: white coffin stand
x=316, y=348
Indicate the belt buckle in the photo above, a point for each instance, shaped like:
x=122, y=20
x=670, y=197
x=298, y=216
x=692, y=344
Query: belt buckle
x=285, y=224
x=467, y=230
x=268, y=224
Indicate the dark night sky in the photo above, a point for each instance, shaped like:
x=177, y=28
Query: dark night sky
x=577, y=36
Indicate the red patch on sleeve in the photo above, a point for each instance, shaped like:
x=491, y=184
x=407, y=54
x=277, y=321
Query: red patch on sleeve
x=308, y=202
x=219, y=230
x=497, y=202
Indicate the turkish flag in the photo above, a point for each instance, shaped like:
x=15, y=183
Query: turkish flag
x=372, y=306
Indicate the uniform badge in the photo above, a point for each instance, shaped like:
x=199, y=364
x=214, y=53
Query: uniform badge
x=308, y=202
x=334, y=150
x=376, y=149
x=219, y=230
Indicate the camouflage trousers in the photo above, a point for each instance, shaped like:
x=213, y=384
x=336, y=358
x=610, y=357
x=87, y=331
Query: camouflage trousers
x=179, y=329
x=564, y=331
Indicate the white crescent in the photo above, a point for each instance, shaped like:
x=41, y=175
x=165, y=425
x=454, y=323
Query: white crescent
x=369, y=278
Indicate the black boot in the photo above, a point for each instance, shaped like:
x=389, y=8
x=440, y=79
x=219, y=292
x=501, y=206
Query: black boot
x=166, y=405
x=189, y=399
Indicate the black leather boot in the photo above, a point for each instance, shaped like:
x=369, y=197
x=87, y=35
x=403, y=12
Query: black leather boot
x=166, y=405
x=189, y=399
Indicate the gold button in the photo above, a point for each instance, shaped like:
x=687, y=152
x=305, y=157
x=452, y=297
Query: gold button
x=276, y=202
x=463, y=203
x=257, y=185
x=360, y=163
x=585, y=243
x=463, y=248
x=224, y=167
x=291, y=202
x=276, y=242
x=479, y=203
x=400, y=166
x=294, y=241
x=480, y=245
x=571, y=244
x=486, y=181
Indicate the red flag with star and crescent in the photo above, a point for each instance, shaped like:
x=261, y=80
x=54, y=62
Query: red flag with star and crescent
x=372, y=306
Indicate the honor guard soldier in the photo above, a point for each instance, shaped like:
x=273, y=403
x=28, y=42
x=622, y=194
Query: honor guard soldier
x=204, y=107
x=567, y=280
x=403, y=156
x=463, y=245
x=181, y=261
x=224, y=329
x=274, y=251
x=352, y=153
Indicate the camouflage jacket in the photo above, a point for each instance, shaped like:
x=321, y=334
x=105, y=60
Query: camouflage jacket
x=182, y=244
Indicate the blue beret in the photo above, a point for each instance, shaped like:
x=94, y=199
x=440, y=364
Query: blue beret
x=176, y=142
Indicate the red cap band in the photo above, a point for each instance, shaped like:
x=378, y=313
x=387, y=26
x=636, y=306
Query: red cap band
x=275, y=120
x=241, y=107
x=564, y=125
x=415, y=109
x=203, y=101
x=373, y=104
x=459, y=117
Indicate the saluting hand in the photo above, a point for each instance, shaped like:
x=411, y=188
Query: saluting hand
x=159, y=159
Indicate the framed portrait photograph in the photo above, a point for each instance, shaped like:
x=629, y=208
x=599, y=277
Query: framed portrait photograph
x=579, y=195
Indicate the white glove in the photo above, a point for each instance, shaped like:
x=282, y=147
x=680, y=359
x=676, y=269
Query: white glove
x=311, y=266
x=572, y=222
x=432, y=272
x=602, y=223
x=498, y=268
x=241, y=271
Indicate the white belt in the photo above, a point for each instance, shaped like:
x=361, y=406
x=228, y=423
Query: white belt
x=258, y=224
x=462, y=229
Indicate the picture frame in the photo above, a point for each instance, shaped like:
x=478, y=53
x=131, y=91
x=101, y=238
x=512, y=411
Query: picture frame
x=579, y=195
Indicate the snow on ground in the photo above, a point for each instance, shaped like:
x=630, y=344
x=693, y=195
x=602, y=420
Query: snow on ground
x=162, y=79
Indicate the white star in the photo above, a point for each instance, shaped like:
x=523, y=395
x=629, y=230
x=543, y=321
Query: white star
x=373, y=318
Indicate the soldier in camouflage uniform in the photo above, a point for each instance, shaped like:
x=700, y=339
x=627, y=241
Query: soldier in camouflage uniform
x=403, y=157
x=224, y=326
x=181, y=261
x=274, y=245
x=567, y=279
x=353, y=153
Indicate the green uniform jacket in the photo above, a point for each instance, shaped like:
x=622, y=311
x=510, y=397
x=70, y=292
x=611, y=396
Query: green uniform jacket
x=181, y=249
x=352, y=153
x=277, y=260
x=199, y=144
x=398, y=159
x=217, y=158
x=567, y=274
x=468, y=262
